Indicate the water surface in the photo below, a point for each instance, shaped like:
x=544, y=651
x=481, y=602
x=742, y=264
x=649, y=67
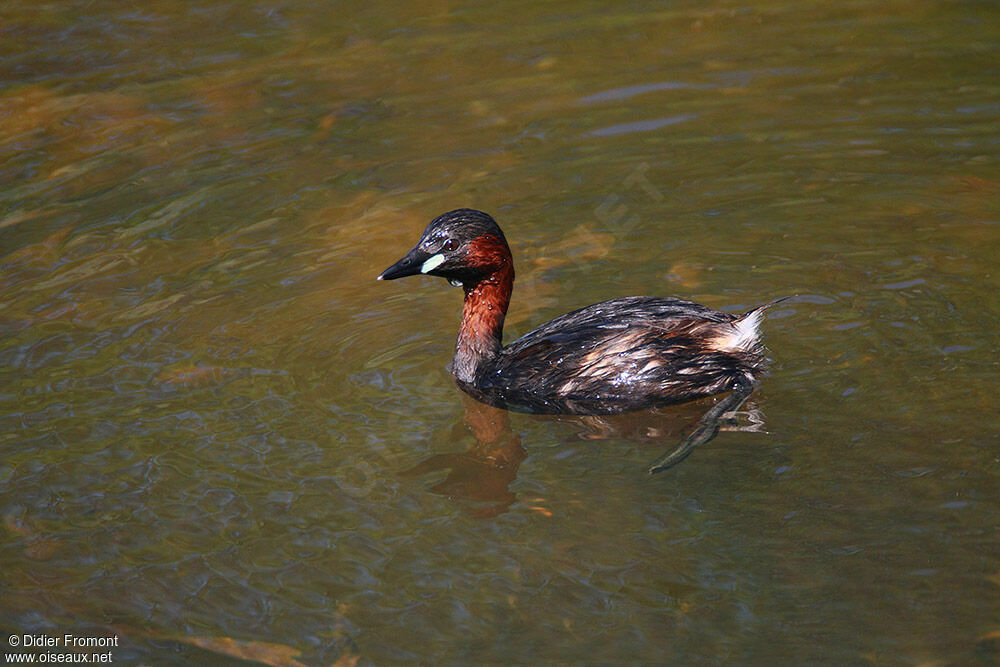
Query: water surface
x=220, y=436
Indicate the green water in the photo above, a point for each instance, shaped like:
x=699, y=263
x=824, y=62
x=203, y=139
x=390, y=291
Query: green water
x=220, y=438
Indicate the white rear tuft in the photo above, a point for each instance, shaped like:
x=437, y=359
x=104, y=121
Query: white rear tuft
x=747, y=332
x=743, y=335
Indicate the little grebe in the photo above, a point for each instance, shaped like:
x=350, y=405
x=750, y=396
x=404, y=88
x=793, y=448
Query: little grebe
x=613, y=356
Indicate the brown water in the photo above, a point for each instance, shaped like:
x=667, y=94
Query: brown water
x=220, y=436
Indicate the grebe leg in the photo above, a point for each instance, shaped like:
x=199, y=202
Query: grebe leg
x=707, y=427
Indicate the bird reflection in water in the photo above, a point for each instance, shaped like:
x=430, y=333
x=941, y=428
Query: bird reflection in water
x=485, y=471
x=483, y=474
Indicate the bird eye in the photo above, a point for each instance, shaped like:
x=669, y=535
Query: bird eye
x=450, y=244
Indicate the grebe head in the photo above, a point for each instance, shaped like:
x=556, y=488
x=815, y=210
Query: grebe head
x=464, y=246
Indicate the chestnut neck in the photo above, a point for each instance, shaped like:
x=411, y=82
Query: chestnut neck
x=481, y=333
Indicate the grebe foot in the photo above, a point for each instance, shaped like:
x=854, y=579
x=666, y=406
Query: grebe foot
x=708, y=427
x=754, y=419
